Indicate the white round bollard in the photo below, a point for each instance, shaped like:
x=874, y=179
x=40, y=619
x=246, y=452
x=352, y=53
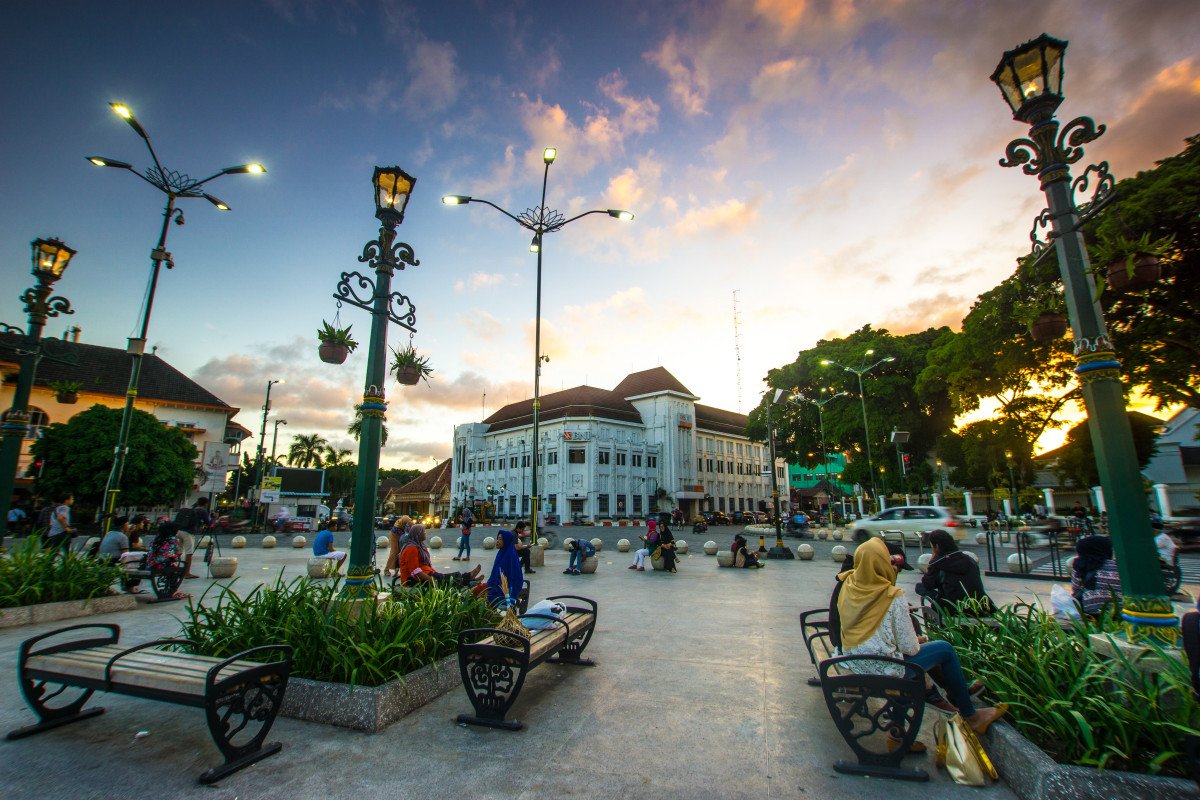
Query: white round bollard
x=381, y=542
x=681, y=546
x=838, y=553
x=923, y=562
x=237, y=542
x=222, y=567
x=981, y=537
x=836, y=535
x=268, y=541
x=589, y=565
x=489, y=543
x=299, y=541
x=435, y=542
x=822, y=534
x=320, y=567
x=805, y=552
x=567, y=544
x=710, y=548
x=90, y=543
x=598, y=544
x=623, y=545
x=1018, y=562
x=725, y=558
x=204, y=542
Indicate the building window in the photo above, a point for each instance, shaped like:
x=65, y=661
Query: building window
x=37, y=421
x=525, y=460
x=552, y=457
x=512, y=463
x=637, y=459
x=699, y=465
x=602, y=457
x=637, y=504
x=721, y=466
x=602, y=504
x=720, y=504
x=710, y=465
x=620, y=459
x=576, y=455
x=621, y=504
x=470, y=466
x=652, y=462
x=491, y=464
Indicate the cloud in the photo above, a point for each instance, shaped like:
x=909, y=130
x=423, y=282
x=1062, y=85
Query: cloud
x=784, y=80
x=731, y=216
x=435, y=83
x=1159, y=119
x=933, y=312
x=688, y=85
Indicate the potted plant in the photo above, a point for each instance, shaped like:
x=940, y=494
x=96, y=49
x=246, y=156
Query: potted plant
x=408, y=367
x=1044, y=315
x=66, y=392
x=336, y=343
x=1129, y=265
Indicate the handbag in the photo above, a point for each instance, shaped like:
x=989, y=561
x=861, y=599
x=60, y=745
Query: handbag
x=961, y=753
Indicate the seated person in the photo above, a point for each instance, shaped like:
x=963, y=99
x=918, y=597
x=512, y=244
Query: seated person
x=416, y=567
x=115, y=547
x=952, y=576
x=873, y=619
x=579, y=550
x=165, y=552
x=508, y=565
x=1095, y=582
x=323, y=547
x=742, y=557
x=1167, y=547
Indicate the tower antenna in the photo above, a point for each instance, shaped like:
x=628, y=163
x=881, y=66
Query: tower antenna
x=737, y=346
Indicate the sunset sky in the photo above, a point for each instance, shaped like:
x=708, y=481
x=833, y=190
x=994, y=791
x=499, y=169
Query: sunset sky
x=834, y=163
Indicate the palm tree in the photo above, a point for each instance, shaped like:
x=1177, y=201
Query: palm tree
x=306, y=450
x=335, y=458
x=356, y=428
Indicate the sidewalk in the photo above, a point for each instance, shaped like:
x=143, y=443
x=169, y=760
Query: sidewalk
x=699, y=692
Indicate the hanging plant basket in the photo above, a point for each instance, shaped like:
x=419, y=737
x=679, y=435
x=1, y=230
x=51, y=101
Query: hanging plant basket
x=1146, y=272
x=333, y=352
x=1048, y=326
x=67, y=398
x=409, y=376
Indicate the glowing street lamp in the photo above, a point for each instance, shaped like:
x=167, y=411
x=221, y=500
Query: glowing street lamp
x=858, y=373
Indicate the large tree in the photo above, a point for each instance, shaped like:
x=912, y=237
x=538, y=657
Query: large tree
x=77, y=457
x=307, y=450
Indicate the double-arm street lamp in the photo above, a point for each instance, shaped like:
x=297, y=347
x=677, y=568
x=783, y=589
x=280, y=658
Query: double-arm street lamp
x=780, y=550
x=541, y=221
x=820, y=403
x=176, y=186
x=50, y=259
x=1030, y=79
x=259, y=466
x=385, y=255
x=858, y=372
x=275, y=437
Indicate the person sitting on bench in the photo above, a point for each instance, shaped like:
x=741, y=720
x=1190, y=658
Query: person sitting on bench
x=323, y=547
x=416, y=567
x=165, y=551
x=508, y=565
x=873, y=619
x=115, y=547
x=952, y=577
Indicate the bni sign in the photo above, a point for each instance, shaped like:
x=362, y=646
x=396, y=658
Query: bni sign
x=576, y=436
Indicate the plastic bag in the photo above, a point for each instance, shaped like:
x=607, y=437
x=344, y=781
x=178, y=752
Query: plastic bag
x=545, y=608
x=1063, y=603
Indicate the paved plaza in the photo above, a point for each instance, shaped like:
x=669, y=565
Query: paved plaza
x=699, y=692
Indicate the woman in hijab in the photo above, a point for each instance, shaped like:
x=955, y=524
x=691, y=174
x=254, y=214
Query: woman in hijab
x=742, y=557
x=397, y=539
x=651, y=542
x=1095, y=582
x=416, y=566
x=507, y=564
x=666, y=544
x=874, y=620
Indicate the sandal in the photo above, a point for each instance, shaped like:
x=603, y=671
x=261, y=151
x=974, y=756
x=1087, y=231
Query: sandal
x=893, y=744
x=980, y=727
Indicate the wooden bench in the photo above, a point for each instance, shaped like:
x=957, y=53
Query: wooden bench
x=241, y=697
x=863, y=705
x=493, y=674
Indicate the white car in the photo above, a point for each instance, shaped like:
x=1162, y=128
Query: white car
x=910, y=520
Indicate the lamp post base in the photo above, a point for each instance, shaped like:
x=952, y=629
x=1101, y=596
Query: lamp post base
x=781, y=552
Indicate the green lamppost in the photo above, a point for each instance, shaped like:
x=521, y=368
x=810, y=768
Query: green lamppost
x=1030, y=79
x=175, y=185
x=384, y=255
x=50, y=259
x=820, y=404
x=780, y=550
x=540, y=221
x=858, y=372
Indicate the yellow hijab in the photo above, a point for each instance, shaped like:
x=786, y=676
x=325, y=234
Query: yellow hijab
x=867, y=592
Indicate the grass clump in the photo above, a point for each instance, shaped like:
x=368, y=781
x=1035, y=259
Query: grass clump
x=30, y=575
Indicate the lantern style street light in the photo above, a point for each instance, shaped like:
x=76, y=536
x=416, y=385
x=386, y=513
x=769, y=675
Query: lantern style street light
x=1030, y=79
x=541, y=221
x=175, y=185
x=820, y=404
x=50, y=260
x=385, y=255
x=858, y=372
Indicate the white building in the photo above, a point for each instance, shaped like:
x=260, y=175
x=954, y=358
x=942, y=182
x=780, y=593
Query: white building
x=645, y=445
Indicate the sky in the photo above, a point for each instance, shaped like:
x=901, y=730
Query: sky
x=818, y=166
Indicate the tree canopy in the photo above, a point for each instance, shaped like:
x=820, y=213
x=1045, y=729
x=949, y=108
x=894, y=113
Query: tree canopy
x=307, y=450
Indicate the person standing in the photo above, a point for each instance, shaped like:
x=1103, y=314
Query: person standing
x=16, y=520
x=60, y=532
x=396, y=542
x=464, y=541
x=523, y=546
x=189, y=521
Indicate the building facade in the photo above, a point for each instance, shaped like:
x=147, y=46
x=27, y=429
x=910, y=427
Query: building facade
x=646, y=445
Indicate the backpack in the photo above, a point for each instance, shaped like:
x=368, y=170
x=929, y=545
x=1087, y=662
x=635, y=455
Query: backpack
x=185, y=519
x=44, y=517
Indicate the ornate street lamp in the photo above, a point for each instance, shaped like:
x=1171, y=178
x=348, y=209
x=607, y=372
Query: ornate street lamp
x=385, y=255
x=858, y=373
x=541, y=221
x=175, y=185
x=1030, y=79
x=50, y=260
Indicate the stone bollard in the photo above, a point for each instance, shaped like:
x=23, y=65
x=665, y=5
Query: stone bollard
x=805, y=552
x=381, y=542
x=222, y=567
x=91, y=542
x=1019, y=563
x=598, y=544
x=658, y=564
x=298, y=542
x=237, y=542
x=681, y=547
x=543, y=541
x=923, y=562
x=623, y=546
x=725, y=558
x=822, y=534
x=537, y=556
x=435, y=542
x=838, y=553
x=836, y=535
x=981, y=537
x=710, y=548
x=320, y=568
x=973, y=557
x=204, y=542
x=489, y=543
x=268, y=542
x=589, y=565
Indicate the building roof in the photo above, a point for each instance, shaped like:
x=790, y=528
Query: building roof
x=435, y=481
x=105, y=370
x=720, y=421
x=650, y=381
x=580, y=401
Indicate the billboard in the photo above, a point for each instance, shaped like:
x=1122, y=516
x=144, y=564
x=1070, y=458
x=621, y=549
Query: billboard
x=215, y=461
x=297, y=481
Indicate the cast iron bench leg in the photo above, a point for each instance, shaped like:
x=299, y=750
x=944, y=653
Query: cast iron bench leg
x=571, y=651
x=493, y=677
x=240, y=711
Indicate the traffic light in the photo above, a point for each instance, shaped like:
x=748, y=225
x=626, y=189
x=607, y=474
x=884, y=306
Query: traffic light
x=906, y=460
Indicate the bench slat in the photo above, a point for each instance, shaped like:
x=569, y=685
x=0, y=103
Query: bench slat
x=146, y=669
x=180, y=662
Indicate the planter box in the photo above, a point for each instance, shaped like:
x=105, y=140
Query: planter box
x=369, y=708
x=67, y=609
x=1033, y=775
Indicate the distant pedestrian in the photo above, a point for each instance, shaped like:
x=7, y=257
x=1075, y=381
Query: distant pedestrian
x=191, y=520
x=666, y=544
x=522, y=534
x=16, y=520
x=60, y=532
x=464, y=541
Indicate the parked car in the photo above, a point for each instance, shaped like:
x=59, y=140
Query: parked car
x=740, y=518
x=717, y=518
x=910, y=520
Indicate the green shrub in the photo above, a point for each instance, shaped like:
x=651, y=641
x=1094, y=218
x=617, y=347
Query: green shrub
x=1079, y=706
x=30, y=575
x=365, y=644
